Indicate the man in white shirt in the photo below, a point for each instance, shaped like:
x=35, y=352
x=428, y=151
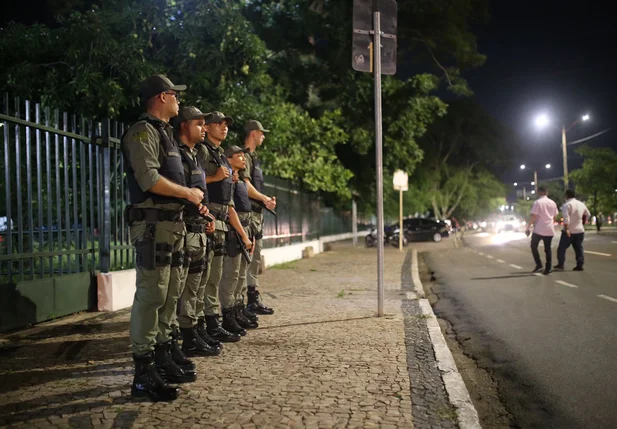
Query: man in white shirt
x=574, y=213
x=543, y=214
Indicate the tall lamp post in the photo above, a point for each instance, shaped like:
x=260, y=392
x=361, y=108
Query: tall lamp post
x=542, y=121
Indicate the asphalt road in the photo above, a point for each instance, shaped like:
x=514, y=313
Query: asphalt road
x=550, y=342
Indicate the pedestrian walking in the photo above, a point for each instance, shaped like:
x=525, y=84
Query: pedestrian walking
x=542, y=217
x=574, y=212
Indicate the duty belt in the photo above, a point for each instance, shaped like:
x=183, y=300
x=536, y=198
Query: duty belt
x=136, y=214
x=256, y=208
x=222, y=216
x=197, y=228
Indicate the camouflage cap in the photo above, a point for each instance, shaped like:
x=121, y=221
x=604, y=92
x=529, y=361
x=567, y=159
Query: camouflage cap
x=156, y=84
x=216, y=117
x=254, y=125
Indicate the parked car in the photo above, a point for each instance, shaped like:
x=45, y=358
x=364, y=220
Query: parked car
x=417, y=229
x=391, y=236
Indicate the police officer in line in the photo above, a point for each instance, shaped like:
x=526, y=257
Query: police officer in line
x=190, y=132
x=254, y=135
x=156, y=181
x=219, y=179
x=232, y=283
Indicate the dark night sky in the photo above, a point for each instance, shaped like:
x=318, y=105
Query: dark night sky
x=556, y=57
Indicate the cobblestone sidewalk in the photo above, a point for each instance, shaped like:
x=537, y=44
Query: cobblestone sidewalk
x=323, y=360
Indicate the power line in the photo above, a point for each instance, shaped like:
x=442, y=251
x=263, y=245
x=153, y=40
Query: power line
x=590, y=137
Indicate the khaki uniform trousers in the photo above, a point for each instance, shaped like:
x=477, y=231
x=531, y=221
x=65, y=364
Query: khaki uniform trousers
x=159, y=280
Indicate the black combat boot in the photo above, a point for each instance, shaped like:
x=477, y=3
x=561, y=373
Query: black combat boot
x=242, y=320
x=203, y=333
x=248, y=314
x=194, y=345
x=147, y=382
x=255, y=304
x=167, y=368
x=230, y=323
x=178, y=356
x=216, y=331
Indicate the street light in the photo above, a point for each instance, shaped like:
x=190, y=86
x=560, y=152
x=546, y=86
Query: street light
x=547, y=166
x=522, y=166
x=515, y=183
x=533, y=183
x=543, y=120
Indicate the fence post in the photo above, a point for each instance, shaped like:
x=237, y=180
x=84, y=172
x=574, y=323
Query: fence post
x=354, y=221
x=105, y=235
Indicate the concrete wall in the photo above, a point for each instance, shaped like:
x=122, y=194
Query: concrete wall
x=115, y=290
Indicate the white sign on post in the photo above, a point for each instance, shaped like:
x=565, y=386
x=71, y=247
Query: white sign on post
x=400, y=181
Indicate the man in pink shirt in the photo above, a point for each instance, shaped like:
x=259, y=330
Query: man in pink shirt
x=542, y=215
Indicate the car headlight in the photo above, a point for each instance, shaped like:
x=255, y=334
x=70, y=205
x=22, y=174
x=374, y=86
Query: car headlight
x=483, y=224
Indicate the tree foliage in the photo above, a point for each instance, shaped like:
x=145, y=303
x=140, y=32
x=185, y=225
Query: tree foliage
x=596, y=180
x=285, y=62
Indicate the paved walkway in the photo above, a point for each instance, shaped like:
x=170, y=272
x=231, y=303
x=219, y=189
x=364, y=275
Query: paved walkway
x=322, y=361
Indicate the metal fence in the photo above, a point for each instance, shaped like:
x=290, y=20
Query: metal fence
x=63, y=193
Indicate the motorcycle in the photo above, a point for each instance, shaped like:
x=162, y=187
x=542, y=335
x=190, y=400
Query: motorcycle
x=390, y=236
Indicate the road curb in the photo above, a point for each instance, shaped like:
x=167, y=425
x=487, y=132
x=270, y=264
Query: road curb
x=466, y=414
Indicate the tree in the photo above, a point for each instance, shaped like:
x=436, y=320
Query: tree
x=459, y=149
x=597, y=178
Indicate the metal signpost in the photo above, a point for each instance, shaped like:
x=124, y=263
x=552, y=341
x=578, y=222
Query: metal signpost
x=367, y=56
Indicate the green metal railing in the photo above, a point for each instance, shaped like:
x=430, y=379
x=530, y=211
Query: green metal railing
x=63, y=192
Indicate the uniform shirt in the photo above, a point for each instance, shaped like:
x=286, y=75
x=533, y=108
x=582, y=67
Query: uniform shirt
x=573, y=211
x=246, y=172
x=194, y=155
x=209, y=163
x=142, y=147
x=545, y=210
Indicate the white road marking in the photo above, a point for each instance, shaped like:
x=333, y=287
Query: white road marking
x=480, y=253
x=489, y=256
x=608, y=298
x=501, y=261
x=597, y=253
x=538, y=274
x=518, y=267
x=614, y=242
x=561, y=282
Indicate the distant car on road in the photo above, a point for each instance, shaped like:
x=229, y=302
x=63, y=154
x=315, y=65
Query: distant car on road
x=508, y=223
x=417, y=229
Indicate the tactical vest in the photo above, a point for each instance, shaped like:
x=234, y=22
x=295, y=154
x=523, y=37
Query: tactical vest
x=241, y=197
x=171, y=168
x=220, y=192
x=257, y=175
x=195, y=179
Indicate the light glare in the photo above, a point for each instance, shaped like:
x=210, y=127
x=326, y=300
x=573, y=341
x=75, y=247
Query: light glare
x=542, y=120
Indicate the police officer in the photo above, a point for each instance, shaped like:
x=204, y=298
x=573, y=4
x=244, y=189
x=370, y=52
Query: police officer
x=219, y=179
x=191, y=131
x=253, y=177
x=156, y=181
x=234, y=262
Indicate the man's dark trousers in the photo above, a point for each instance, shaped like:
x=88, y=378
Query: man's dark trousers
x=576, y=240
x=535, y=241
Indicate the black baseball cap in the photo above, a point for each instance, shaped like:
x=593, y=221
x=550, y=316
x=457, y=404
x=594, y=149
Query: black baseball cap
x=156, y=84
x=232, y=150
x=254, y=125
x=190, y=112
x=216, y=117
